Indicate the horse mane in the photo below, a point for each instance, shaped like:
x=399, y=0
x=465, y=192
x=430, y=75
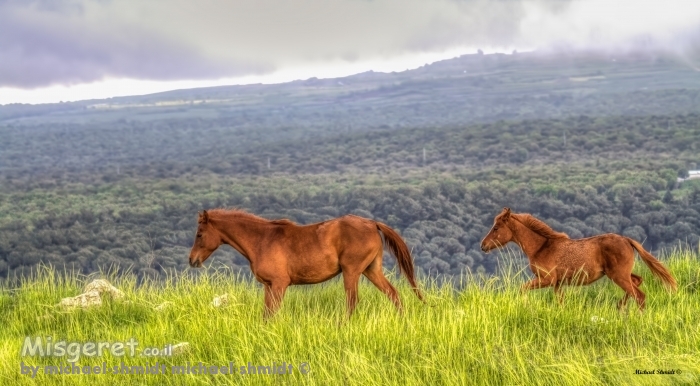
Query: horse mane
x=239, y=213
x=538, y=226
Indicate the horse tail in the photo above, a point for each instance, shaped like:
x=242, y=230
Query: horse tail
x=399, y=249
x=654, y=265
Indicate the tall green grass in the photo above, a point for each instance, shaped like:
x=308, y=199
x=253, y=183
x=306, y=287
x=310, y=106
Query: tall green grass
x=485, y=333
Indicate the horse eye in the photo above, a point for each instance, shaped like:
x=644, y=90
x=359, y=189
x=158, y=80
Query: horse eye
x=199, y=235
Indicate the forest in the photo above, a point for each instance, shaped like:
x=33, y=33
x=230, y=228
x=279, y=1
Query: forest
x=85, y=190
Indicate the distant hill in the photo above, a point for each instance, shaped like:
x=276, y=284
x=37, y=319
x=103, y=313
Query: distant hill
x=467, y=89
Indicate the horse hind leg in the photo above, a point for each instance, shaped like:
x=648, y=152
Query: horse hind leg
x=350, y=281
x=641, y=298
x=375, y=275
x=636, y=281
x=628, y=285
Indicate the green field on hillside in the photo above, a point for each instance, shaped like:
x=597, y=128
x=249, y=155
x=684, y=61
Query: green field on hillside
x=484, y=333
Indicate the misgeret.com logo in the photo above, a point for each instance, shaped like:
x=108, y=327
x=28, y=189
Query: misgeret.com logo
x=73, y=351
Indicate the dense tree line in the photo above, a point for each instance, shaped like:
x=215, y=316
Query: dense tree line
x=613, y=175
x=159, y=150
x=443, y=222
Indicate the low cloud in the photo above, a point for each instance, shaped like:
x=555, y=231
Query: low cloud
x=47, y=42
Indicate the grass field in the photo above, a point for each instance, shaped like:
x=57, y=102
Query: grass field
x=484, y=333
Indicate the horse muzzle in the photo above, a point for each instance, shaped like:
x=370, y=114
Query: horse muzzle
x=195, y=263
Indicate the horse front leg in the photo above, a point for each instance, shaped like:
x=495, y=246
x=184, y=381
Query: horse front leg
x=537, y=283
x=559, y=292
x=273, y=298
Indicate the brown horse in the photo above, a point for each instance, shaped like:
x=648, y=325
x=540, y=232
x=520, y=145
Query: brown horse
x=555, y=259
x=282, y=253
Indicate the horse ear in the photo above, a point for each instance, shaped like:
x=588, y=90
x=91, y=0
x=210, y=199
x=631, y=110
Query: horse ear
x=203, y=217
x=506, y=213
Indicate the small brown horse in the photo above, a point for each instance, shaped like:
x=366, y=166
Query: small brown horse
x=555, y=259
x=282, y=253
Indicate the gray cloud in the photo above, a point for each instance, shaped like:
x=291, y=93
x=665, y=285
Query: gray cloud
x=75, y=41
x=45, y=44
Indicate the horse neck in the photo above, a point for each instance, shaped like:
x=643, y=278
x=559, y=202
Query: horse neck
x=241, y=233
x=530, y=241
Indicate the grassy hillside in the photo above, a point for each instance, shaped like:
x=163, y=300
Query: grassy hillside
x=487, y=333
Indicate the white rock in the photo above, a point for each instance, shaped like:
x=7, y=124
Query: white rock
x=220, y=301
x=163, y=306
x=180, y=348
x=88, y=299
x=92, y=296
x=103, y=286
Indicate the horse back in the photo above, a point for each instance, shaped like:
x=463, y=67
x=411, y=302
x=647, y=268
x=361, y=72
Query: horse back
x=593, y=252
x=330, y=236
x=353, y=232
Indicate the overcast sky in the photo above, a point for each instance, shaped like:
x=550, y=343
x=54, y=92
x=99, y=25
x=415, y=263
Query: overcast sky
x=53, y=50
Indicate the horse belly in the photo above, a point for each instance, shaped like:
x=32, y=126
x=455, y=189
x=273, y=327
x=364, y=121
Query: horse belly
x=577, y=265
x=581, y=276
x=579, y=272
x=313, y=269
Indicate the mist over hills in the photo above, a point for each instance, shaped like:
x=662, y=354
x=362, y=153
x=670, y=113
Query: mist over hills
x=473, y=87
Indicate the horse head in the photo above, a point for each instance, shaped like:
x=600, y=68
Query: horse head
x=500, y=233
x=206, y=241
